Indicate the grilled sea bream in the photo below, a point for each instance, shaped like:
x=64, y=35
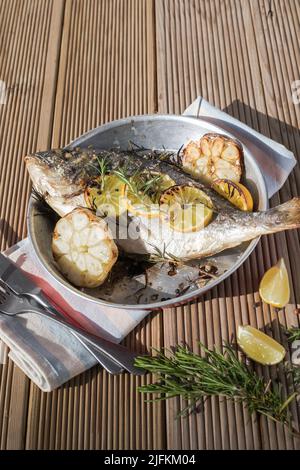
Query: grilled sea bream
x=66, y=178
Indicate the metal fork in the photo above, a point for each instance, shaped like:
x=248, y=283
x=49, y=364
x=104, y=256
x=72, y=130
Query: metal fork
x=38, y=299
x=11, y=304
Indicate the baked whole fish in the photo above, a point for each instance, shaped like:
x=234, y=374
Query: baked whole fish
x=65, y=178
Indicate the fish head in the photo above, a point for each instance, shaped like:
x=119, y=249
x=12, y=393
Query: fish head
x=59, y=177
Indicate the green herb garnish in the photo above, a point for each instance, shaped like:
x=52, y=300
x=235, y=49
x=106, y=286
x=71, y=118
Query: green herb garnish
x=162, y=256
x=140, y=184
x=122, y=174
x=293, y=334
x=102, y=168
x=192, y=377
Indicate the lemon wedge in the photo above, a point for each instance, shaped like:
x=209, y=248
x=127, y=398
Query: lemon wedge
x=143, y=196
x=106, y=195
x=274, y=287
x=186, y=208
x=259, y=346
x=236, y=193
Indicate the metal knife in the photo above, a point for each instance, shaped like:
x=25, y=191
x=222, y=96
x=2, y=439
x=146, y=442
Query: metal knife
x=21, y=285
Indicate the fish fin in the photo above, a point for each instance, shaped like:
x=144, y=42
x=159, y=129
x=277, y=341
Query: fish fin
x=284, y=217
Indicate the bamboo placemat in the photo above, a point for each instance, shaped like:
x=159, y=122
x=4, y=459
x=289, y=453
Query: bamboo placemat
x=70, y=65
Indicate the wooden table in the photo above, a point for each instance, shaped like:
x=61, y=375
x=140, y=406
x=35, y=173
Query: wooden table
x=70, y=65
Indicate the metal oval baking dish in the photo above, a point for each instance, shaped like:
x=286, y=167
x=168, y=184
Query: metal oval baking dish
x=129, y=285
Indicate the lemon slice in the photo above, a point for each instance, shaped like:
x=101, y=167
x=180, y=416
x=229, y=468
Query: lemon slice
x=143, y=195
x=236, y=193
x=106, y=195
x=259, y=346
x=274, y=287
x=142, y=205
x=186, y=208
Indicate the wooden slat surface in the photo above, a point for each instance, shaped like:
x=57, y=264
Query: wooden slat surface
x=70, y=65
x=25, y=47
x=106, y=71
x=239, y=55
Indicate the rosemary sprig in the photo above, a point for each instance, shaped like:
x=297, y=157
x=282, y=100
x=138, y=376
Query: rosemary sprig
x=193, y=377
x=102, y=169
x=134, y=147
x=162, y=256
x=148, y=183
x=103, y=165
x=122, y=174
x=293, y=334
x=140, y=184
x=294, y=372
x=152, y=154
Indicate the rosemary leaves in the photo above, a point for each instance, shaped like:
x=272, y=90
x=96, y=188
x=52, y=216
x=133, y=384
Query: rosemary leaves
x=192, y=377
x=293, y=334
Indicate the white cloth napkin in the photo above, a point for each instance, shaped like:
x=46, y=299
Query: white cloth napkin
x=50, y=355
x=275, y=160
x=47, y=353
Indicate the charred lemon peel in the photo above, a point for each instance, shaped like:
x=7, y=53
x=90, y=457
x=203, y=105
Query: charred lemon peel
x=83, y=248
x=186, y=208
x=236, y=193
x=214, y=156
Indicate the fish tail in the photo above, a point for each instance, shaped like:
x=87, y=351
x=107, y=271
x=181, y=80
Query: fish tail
x=283, y=217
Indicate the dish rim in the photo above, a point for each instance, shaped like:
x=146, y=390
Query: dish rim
x=175, y=300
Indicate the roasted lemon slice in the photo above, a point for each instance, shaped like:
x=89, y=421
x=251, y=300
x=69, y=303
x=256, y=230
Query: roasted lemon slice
x=83, y=248
x=186, y=208
x=236, y=193
x=161, y=183
x=214, y=156
x=274, y=287
x=259, y=346
x=106, y=195
x=143, y=192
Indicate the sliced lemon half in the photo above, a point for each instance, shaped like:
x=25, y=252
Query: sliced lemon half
x=143, y=195
x=106, y=195
x=274, y=287
x=236, y=193
x=259, y=346
x=186, y=208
